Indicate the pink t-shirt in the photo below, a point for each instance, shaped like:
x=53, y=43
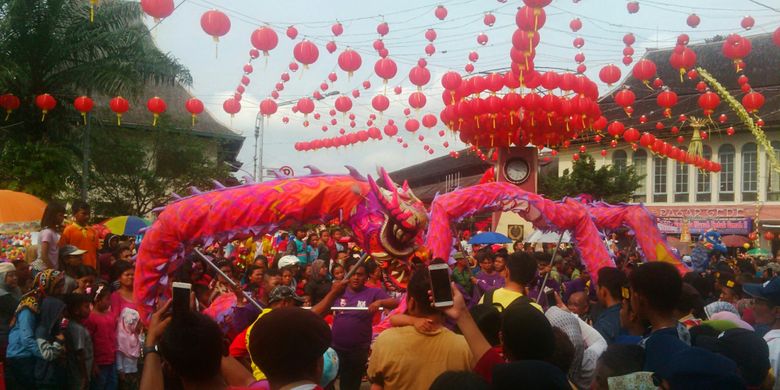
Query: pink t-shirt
x=118, y=304
x=102, y=328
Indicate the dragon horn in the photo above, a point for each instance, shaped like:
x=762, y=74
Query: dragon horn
x=405, y=186
x=374, y=187
x=217, y=184
x=314, y=170
x=248, y=179
x=278, y=174
x=389, y=184
x=195, y=190
x=355, y=173
x=175, y=196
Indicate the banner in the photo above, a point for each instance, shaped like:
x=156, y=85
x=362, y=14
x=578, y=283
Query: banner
x=741, y=226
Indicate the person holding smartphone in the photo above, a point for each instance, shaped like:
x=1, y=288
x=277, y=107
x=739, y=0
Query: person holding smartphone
x=352, y=328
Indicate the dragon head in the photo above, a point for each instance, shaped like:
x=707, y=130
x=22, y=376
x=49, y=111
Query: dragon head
x=393, y=220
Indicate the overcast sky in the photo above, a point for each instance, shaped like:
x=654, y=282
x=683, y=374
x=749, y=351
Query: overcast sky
x=657, y=24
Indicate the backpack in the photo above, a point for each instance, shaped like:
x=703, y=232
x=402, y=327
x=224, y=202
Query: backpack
x=488, y=299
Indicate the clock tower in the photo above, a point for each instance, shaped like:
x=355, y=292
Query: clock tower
x=518, y=166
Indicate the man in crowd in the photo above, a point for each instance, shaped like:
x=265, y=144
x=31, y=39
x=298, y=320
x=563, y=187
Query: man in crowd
x=288, y=345
x=298, y=247
x=520, y=271
x=611, y=281
x=766, y=308
x=81, y=235
x=403, y=358
x=352, y=328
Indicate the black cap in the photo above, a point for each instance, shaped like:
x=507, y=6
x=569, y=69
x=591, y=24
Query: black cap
x=745, y=348
x=768, y=290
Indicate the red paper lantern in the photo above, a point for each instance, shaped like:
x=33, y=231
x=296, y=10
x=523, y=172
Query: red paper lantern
x=268, y=107
x=46, y=103
x=429, y=120
x=194, y=106
x=349, y=61
x=646, y=139
x=683, y=60
x=753, y=101
x=119, y=106
x=769, y=236
x=609, y=74
x=469, y=68
x=644, y=70
x=83, y=104
x=305, y=106
x=616, y=129
x=489, y=19
x=232, y=106
x=417, y=100
x=575, y=157
x=708, y=102
x=667, y=99
x=528, y=18
x=306, y=53
x=419, y=76
x=9, y=103
x=430, y=35
x=337, y=29
x=693, y=20
x=158, y=9
x=632, y=7
x=578, y=42
x=382, y=29
x=157, y=106
x=385, y=68
x=412, y=125
x=381, y=102
x=482, y=39
x=631, y=135
x=776, y=37
x=343, y=104
x=736, y=47
x=440, y=12
x=264, y=39
x=747, y=22
x=215, y=23
x=575, y=24
x=625, y=98
x=330, y=47
x=451, y=81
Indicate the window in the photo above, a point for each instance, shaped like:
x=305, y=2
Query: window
x=704, y=179
x=680, y=181
x=773, y=179
x=640, y=166
x=749, y=172
x=726, y=160
x=619, y=160
x=659, y=179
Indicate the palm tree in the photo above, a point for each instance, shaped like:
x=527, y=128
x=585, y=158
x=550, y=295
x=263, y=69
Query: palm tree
x=50, y=46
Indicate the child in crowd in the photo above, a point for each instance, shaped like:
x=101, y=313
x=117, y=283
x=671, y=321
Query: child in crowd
x=78, y=343
x=128, y=348
x=101, y=325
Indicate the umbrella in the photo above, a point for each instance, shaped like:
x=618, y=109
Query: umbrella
x=126, y=225
x=539, y=236
x=735, y=241
x=18, y=207
x=759, y=252
x=489, y=238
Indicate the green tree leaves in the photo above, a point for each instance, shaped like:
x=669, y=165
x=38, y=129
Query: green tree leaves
x=608, y=183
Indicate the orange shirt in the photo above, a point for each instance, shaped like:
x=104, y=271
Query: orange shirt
x=83, y=238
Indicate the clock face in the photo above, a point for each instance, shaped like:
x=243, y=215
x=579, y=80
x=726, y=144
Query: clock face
x=516, y=170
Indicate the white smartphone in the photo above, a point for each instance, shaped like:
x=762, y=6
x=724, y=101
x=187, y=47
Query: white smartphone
x=440, y=284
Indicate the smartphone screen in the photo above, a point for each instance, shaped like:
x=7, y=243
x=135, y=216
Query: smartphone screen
x=440, y=285
x=181, y=297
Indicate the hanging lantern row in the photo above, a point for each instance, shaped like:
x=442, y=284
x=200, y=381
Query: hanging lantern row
x=353, y=138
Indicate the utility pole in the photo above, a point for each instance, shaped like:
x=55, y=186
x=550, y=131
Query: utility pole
x=259, y=130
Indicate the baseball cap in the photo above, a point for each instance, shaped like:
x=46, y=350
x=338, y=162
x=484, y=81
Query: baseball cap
x=747, y=349
x=70, y=250
x=288, y=261
x=698, y=368
x=330, y=367
x=283, y=292
x=769, y=290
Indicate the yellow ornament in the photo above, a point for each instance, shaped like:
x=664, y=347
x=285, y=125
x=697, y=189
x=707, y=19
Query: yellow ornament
x=746, y=245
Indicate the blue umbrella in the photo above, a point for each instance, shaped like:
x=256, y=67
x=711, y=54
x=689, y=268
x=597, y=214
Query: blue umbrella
x=488, y=238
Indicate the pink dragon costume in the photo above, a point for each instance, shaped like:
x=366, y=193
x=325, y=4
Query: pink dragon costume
x=388, y=221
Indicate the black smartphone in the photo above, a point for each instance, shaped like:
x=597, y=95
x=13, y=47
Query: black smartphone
x=550, y=294
x=181, y=298
x=440, y=285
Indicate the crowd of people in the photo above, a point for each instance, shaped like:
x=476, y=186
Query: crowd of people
x=306, y=309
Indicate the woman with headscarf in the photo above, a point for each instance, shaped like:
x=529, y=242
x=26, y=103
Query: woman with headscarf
x=128, y=348
x=23, y=350
x=9, y=300
x=569, y=324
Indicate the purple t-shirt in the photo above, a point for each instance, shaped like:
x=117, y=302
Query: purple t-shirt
x=488, y=282
x=352, y=329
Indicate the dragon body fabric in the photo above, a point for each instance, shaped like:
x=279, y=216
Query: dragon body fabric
x=388, y=221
